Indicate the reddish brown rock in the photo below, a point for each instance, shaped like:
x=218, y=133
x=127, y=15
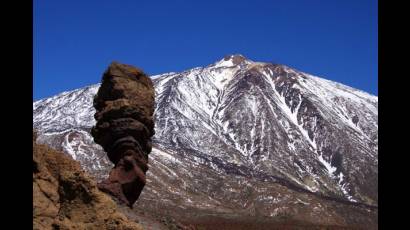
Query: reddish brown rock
x=124, y=108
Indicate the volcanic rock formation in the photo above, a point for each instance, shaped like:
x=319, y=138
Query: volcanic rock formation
x=124, y=107
x=64, y=197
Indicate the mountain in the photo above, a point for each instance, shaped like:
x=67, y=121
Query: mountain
x=242, y=138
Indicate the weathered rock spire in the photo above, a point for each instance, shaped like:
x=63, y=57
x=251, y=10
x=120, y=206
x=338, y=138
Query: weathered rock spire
x=124, y=107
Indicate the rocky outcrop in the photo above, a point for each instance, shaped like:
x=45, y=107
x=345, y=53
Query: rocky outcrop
x=64, y=197
x=124, y=107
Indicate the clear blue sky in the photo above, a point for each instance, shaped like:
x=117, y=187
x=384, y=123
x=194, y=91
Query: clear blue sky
x=75, y=40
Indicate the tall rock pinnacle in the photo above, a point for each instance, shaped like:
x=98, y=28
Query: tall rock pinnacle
x=124, y=108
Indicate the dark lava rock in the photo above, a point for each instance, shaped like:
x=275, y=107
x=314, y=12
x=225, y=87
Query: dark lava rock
x=124, y=108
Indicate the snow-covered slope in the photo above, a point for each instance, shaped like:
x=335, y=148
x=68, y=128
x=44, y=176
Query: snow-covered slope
x=67, y=110
x=239, y=124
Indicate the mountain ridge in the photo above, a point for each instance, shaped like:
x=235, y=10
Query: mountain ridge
x=228, y=55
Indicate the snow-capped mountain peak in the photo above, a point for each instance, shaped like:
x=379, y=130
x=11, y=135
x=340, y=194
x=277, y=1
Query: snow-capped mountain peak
x=232, y=60
x=236, y=122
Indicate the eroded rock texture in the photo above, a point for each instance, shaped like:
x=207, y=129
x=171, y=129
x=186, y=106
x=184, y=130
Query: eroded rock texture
x=65, y=197
x=124, y=107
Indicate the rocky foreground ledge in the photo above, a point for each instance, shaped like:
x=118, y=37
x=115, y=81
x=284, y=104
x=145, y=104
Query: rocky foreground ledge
x=65, y=197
